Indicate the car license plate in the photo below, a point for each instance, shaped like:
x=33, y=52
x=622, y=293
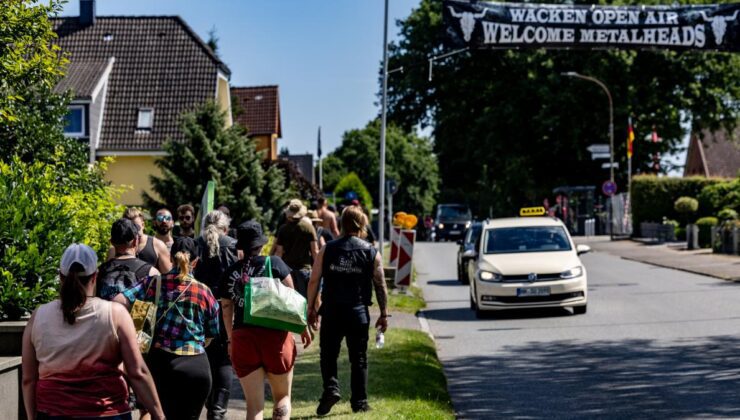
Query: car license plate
x=454, y=232
x=533, y=291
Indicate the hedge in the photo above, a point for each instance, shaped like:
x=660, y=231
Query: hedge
x=352, y=183
x=653, y=198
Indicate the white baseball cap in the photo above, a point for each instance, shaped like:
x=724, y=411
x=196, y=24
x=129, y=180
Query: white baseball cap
x=81, y=254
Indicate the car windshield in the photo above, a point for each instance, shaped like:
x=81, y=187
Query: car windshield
x=526, y=239
x=454, y=213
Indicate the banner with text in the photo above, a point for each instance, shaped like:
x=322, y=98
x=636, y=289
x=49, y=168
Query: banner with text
x=518, y=25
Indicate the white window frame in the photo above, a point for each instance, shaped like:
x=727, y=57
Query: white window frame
x=82, y=125
x=151, y=119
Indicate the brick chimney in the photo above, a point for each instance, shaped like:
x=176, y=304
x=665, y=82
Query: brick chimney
x=87, y=12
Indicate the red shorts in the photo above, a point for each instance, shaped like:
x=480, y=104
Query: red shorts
x=255, y=347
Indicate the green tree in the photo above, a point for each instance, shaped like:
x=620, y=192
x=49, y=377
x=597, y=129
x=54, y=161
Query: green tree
x=352, y=183
x=41, y=217
x=333, y=170
x=211, y=151
x=409, y=160
x=31, y=114
x=508, y=128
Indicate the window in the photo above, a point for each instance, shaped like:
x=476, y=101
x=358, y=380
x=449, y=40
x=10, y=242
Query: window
x=526, y=239
x=74, y=121
x=146, y=119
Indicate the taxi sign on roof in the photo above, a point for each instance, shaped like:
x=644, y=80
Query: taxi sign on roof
x=532, y=211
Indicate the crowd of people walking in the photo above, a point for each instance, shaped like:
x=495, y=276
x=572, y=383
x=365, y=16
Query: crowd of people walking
x=84, y=356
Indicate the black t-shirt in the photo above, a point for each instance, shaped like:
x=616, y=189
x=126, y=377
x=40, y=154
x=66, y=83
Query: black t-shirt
x=324, y=233
x=233, y=281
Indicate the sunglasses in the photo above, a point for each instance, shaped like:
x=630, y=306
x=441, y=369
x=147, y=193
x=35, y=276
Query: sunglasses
x=188, y=217
x=163, y=218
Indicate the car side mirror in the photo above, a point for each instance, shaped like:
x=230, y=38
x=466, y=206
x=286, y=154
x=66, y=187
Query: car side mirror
x=470, y=254
x=582, y=249
x=459, y=241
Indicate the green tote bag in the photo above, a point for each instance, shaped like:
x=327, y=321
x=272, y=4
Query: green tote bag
x=268, y=303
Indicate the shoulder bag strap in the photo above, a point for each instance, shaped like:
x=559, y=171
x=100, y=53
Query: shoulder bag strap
x=174, y=301
x=268, y=267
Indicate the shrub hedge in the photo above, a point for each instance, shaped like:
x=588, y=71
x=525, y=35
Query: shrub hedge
x=653, y=198
x=352, y=182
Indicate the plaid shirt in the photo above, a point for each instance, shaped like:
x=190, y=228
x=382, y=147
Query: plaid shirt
x=193, y=318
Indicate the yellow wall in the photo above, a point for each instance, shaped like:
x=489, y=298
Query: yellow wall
x=223, y=99
x=268, y=144
x=133, y=171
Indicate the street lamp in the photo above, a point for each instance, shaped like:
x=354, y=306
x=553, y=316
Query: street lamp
x=611, y=134
x=611, y=116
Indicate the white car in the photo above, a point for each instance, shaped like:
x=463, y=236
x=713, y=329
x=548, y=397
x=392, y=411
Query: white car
x=528, y=262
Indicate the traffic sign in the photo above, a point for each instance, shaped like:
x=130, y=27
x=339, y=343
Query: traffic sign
x=392, y=186
x=608, y=165
x=598, y=148
x=609, y=188
x=595, y=156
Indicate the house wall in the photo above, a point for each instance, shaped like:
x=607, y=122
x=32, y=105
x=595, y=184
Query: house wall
x=133, y=171
x=268, y=143
x=223, y=98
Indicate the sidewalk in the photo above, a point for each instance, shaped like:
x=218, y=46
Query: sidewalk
x=237, y=404
x=701, y=261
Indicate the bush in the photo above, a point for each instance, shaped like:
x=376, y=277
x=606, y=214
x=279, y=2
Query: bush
x=41, y=216
x=721, y=195
x=351, y=182
x=705, y=225
x=678, y=230
x=727, y=214
x=653, y=198
x=686, y=205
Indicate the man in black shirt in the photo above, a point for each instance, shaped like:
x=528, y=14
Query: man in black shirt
x=350, y=268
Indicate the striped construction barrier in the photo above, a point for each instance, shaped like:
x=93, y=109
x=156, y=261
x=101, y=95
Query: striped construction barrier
x=395, y=237
x=405, y=257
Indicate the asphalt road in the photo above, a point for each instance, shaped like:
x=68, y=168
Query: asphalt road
x=655, y=343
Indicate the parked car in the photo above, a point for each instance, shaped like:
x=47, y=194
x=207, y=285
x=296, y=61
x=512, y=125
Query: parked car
x=467, y=252
x=528, y=262
x=451, y=221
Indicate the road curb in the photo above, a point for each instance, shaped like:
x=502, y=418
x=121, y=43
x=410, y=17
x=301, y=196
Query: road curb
x=425, y=324
x=684, y=269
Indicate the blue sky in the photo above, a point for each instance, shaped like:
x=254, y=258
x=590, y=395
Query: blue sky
x=325, y=55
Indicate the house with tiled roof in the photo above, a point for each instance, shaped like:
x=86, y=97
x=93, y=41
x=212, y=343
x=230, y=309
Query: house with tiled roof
x=257, y=108
x=131, y=78
x=714, y=154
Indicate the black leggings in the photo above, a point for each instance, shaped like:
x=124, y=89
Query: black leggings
x=183, y=382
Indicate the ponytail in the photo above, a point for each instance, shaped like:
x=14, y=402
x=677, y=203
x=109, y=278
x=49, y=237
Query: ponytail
x=73, y=294
x=211, y=235
x=182, y=259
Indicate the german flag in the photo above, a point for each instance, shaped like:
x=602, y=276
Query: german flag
x=630, y=137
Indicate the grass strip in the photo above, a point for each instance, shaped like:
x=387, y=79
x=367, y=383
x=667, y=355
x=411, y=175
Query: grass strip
x=405, y=381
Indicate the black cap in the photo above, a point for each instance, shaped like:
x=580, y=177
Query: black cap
x=249, y=235
x=123, y=231
x=184, y=243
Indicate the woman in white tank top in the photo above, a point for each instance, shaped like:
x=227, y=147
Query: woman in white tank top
x=73, y=348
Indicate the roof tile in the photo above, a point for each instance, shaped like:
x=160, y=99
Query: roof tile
x=258, y=109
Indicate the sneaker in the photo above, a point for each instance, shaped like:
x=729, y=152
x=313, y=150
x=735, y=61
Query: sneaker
x=361, y=408
x=326, y=402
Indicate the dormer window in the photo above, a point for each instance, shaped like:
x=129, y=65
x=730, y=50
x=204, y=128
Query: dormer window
x=145, y=120
x=74, y=121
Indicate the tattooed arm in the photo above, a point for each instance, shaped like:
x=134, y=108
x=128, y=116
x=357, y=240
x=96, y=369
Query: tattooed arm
x=381, y=293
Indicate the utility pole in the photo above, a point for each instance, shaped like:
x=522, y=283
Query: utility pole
x=384, y=100
x=611, y=136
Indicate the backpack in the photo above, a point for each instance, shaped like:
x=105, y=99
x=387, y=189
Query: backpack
x=115, y=277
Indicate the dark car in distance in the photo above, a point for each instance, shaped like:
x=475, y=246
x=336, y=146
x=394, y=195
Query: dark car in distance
x=468, y=251
x=451, y=221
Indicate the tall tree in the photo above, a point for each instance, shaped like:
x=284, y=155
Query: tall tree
x=31, y=114
x=508, y=128
x=212, y=152
x=409, y=160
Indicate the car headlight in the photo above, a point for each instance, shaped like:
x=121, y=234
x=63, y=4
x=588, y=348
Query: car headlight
x=441, y=225
x=489, y=276
x=572, y=273
x=467, y=225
